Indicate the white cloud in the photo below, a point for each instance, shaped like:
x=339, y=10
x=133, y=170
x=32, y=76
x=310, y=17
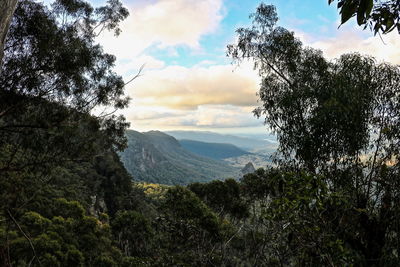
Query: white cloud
x=205, y=116
x=125, y=67
x=205, y=95
x=212, y=97
x=387, y=49
x=164, y=23
x=174, y=22
x=348, y=39
x=221, y=116
x=187, y=88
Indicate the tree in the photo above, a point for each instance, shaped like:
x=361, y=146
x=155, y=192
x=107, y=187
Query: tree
x=53, y=76
x=334, y=119
x=6, y=12
x=296, y=220
x=64, y=236
x=323, y=112
x=223, y=197
x=133, y=232
x=379, y=16
x=189, y=231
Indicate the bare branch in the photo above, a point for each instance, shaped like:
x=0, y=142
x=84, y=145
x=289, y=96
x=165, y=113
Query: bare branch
x=25, y=235
x=136, y=76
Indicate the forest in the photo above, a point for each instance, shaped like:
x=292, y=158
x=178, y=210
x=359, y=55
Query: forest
x=332, y=197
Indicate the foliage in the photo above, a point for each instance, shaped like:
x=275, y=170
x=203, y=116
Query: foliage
x=335, y=122
x=133, y=232
x=189, y=231
x=222, y=196
x=301, y=215
x=53, y=75
x=67, y=236
x=380, y=16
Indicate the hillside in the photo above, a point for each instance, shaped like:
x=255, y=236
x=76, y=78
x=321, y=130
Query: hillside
x=159, y=158
x=212, y=150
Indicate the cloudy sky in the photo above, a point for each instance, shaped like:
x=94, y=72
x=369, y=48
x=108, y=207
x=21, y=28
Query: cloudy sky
x=188, y=83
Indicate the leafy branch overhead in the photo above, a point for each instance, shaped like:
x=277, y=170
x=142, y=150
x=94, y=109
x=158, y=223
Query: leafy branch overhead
x=379, y=16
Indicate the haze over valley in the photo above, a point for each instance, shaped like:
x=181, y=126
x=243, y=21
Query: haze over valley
x=157, y=157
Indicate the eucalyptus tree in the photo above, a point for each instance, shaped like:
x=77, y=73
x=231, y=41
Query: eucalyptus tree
x=334, y=119
x=53, y=76
x=7, y=8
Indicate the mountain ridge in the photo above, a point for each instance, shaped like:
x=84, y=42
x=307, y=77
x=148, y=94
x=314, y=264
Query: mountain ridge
x=245, y=143
x=212, y=150
x=159, y=158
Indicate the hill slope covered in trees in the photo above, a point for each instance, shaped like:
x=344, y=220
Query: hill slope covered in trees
x=159, y=158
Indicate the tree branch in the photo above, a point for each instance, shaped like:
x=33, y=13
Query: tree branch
x=25, y=235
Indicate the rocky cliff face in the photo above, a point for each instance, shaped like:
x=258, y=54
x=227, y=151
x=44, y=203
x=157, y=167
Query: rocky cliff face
x=249, y=168
x=159, y=158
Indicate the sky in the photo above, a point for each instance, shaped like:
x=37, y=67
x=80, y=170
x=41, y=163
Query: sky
x=188, y=83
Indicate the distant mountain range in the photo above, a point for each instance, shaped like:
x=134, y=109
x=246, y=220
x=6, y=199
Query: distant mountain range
x=245, y=143
x=159, y=158
x=213, y=150
x=196, y=156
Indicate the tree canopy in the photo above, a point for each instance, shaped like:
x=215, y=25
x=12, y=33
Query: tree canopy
x=52, y=77
x=335, y=120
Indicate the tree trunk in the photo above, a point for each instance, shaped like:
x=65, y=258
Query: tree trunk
x=7, y=8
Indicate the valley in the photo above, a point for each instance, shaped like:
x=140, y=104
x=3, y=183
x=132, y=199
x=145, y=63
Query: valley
x=156, y=157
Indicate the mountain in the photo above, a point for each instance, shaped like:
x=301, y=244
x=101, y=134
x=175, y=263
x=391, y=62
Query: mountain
x=249, y=168
x=212, y=150
x=258, y=160
x=159, y=158
x=245, y=143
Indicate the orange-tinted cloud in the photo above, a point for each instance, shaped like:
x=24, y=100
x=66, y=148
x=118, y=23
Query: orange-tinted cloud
x=205, y=116
x=187, y=88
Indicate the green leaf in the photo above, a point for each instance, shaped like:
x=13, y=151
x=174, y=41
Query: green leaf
x=347, y=12
x=369, y=6
x=360, y=17
x=389, y=24
x=364, y=9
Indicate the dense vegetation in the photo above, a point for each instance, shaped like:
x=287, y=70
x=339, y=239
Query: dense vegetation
x=66, y=200
x=337, y=124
